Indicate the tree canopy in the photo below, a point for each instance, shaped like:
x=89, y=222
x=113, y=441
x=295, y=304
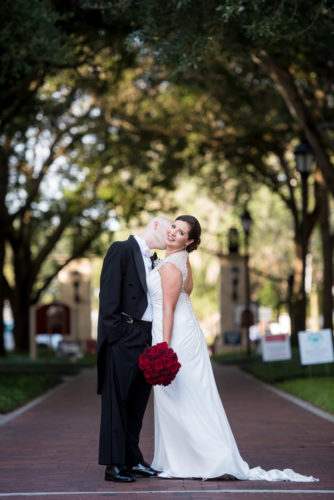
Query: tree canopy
x=280, y=37
x=83, y=144
x=104, y=103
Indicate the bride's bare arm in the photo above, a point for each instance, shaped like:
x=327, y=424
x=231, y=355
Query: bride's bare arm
x=188, y=284
x=171, y=283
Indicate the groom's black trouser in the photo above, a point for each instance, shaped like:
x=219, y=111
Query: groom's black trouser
x=124, y=398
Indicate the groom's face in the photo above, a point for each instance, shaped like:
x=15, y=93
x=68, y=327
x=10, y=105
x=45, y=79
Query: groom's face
x=161, y=234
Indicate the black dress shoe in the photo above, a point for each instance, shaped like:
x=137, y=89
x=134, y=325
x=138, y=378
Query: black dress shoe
x=118, y=473
x=143, y=469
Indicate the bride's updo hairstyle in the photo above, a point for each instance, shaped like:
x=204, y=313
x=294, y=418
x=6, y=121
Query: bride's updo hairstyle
x=194, y=232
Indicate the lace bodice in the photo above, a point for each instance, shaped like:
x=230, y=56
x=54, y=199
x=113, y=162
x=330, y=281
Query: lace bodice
x=179, y=260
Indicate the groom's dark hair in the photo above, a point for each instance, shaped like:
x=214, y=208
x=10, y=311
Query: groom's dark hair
x=194, y=233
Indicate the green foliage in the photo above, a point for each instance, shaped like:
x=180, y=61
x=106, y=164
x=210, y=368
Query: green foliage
x=94, y=131
x=268, y=296
x=87, y=153
x=46, y=363
x=271, y=248
x=277, y=371
x=263, y=21
x=319, y=391
x=18, y=389
x=187, y=31
x=204, y=297
x=30, y=38
x=22, y=379
x=278, y=38
x=39, y=39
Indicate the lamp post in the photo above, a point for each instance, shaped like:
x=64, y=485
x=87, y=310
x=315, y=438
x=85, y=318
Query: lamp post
x=233, y=249
x=304, y=159
x=76, y=281
x=247, y=316
x=76, y=284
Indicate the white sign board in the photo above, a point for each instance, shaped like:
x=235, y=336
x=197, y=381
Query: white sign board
x=316, y=347
x=275, y=347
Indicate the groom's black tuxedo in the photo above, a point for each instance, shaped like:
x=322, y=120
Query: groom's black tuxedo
x=120, y=382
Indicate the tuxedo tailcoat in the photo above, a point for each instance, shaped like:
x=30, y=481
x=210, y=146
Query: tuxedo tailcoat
x=124, y=391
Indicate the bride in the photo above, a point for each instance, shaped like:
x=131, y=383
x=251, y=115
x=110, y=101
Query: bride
x=193, y=438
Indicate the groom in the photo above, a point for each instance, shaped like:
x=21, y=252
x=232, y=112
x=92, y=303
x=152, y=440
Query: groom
x=124, y=330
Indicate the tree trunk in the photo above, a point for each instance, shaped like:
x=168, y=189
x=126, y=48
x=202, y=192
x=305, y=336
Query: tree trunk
x=297, y=319
x=327, y=250
x=289, y=92
x=20, y=307
x=21, y=293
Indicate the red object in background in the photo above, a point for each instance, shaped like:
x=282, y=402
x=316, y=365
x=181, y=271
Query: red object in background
x=90, y=346
x=247, y=318
x=275, y=338
x=53, y=318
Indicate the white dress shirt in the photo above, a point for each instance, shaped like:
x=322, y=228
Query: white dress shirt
x=146, y=254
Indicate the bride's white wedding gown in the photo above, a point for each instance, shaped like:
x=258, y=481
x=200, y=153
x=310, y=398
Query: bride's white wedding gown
x=193, y=438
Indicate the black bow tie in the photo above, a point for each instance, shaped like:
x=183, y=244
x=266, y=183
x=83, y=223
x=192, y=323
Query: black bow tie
x=153, y=257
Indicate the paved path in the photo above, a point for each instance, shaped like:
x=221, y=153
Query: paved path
x=50, y=451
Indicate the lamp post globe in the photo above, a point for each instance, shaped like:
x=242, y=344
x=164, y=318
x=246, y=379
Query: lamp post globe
x=304, y=157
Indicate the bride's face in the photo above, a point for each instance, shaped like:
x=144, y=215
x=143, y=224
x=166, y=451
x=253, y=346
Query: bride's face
x=178, y=235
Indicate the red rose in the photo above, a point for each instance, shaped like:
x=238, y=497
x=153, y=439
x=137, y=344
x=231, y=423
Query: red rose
x=158, y=364
x=144, y=360
x=168, y=362
x=175, y=368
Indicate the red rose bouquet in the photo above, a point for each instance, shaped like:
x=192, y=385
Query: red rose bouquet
x=159, y=364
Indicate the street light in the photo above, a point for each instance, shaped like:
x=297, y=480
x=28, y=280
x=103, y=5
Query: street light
x=304, y=159
x=247, y=315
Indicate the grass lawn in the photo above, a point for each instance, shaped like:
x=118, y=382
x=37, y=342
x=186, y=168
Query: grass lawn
x=17, y=389
x=318, y=391
x=279, y=371
x=22, y=364
x=22, y=379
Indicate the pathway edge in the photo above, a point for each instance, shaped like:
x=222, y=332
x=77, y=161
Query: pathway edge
x=7, y=417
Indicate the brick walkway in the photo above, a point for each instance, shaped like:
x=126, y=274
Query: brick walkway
x=52, y=448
